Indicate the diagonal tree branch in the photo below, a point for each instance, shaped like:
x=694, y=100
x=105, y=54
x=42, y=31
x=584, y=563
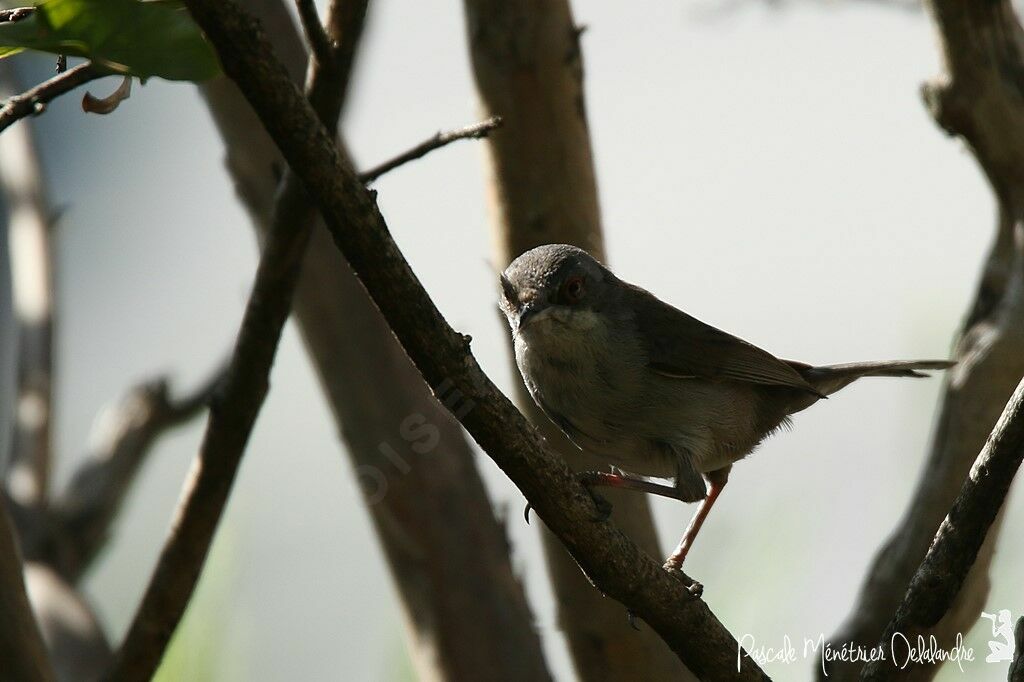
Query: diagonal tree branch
x=944, y=570
x=978, y=98
x=610, y=559
x=448, y=555
x=34, y=100
x=233, y=413
x=441, y=139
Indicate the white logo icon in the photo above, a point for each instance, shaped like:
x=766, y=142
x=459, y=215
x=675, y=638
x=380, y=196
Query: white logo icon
x=1000, y=651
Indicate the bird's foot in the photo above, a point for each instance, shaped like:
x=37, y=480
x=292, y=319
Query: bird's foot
x=694, y=588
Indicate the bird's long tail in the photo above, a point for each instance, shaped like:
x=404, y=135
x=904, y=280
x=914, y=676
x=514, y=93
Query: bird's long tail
x=830, y=378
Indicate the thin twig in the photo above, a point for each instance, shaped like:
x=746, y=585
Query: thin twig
x=319, y=42
x=34, y=101
x=232, y=415
x=615, y=564
x=942, y=573
x=440, y=139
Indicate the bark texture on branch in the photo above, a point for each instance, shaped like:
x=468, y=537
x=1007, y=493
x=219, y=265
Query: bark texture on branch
x=615, y=564
x=448, y=554
x=979, y=98
x=542, y=189
x=941, y=576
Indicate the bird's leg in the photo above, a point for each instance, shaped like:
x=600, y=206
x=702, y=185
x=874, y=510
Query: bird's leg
x=592, y=479
x=627, y=482
x=716, y=482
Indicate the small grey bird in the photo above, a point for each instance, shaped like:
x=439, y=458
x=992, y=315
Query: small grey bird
x=657, y=392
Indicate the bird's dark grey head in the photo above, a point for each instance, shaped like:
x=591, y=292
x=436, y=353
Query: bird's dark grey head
x=554, y=281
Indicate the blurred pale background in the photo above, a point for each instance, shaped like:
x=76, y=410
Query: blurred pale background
x=768, y=168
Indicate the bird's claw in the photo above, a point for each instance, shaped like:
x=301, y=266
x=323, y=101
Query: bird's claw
x=693, y=588
x=526, y=512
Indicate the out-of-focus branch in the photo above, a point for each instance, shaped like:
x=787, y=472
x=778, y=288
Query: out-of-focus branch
x=447, y=553
x=74, y=638
x=316, y=34
x=978, y=99
x=34, y=100
x=441, y=139
x=21, y=645
x=529, y=69
x=28, y=233
x=82, y=516
x=941, y=575
x=232, y=416
x=75, y=643
x=615, y=564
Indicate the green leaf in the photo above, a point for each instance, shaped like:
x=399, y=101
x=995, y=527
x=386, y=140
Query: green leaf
x=127, y=36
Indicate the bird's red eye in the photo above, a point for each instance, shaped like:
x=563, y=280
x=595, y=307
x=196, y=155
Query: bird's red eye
x=573, y=289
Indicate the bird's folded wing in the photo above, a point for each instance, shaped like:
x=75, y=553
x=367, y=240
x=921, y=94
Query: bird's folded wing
x=681, y=346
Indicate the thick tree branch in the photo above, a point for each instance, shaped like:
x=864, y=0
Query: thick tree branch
x=21, y=645
x=34, y=101
x=29, y=222
x=449, y=557
x=941, y=575
x=979, y=99
x=440, y=139
x=615, y=564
